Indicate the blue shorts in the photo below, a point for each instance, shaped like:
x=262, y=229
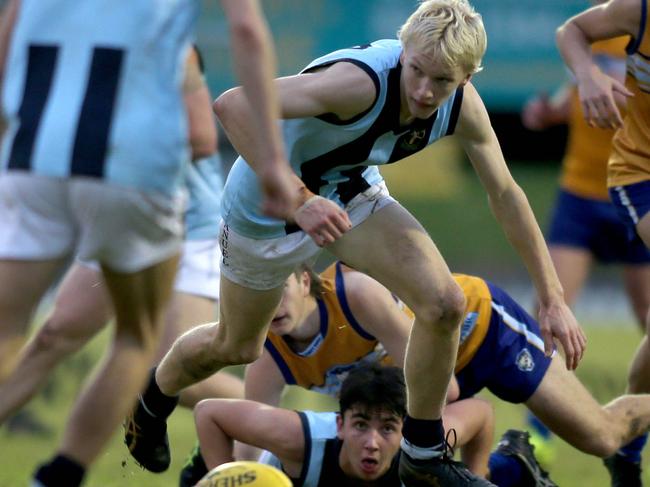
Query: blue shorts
x=632, y=203
x=510, y=362
x=595, y=226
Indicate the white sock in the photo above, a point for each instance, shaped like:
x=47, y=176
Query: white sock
x=420, y=453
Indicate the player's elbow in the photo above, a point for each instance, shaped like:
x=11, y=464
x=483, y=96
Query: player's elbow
x=227, y=104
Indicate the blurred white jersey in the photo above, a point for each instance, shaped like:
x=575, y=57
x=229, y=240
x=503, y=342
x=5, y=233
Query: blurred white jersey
x=94, y=89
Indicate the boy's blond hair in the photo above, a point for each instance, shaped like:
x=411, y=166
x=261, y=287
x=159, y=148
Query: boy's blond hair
x=450, y=30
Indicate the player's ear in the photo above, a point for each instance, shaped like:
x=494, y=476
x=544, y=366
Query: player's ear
x=306, y=283
x=466, y=80
x=339, y=426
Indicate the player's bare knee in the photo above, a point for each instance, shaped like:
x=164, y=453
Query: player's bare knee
x=54, y=337
x=201, y=410
x=445, y=309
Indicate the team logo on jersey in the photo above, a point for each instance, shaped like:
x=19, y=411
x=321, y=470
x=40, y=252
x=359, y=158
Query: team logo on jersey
x=525, y=361
x=468, y=325
x=413, y=139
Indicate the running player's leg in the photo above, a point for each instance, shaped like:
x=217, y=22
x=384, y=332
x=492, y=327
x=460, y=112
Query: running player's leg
x=574, y=223
x=185, y=312
x=35, y=239
x=80, y=310
x=643, y=229
x=637, y=284
x=136, y=238
x=139, y=300
x=473, y=421
x=408, y=263
x=23, y=285
x=238, y=337
x=253, y=274
x=196, y=301
x=572, y=265
x=571, y=412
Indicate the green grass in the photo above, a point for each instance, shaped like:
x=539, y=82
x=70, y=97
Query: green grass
x=603, y=370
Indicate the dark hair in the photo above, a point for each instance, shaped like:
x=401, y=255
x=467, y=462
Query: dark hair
x=374, y=387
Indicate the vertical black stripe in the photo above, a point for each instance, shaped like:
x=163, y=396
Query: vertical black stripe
x=91, y=140
x=41, y=62
x=354, y=185
x=455, y=111
x=358, y=150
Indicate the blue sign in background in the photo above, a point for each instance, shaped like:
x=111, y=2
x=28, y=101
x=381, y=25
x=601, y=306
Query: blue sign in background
x=521, y=58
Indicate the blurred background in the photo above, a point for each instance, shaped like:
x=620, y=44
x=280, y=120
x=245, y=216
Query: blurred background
x=438, y=186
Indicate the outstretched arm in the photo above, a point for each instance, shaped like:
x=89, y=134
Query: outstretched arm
x=510, y=206
x=264, y=383
x=597, y=90
x=220, y=421
x=342, y=89
x=254, y=60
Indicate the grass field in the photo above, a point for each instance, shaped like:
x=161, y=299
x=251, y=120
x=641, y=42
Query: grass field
x=603, y=370
x=462, y=226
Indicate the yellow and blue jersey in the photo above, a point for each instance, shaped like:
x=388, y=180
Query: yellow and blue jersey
x=630, y=159
x=341, y=344
x=498, y=341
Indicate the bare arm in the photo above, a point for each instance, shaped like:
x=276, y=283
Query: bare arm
x=263, y=383
x=202, y=127
x=574, y=38
x=254, y=60
x=220, y=421
x=542, y=111
x=342, y=89
x=7, y=22
x=510, y=206
x=378, y=313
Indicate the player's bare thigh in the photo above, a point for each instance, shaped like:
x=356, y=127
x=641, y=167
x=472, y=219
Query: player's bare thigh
x=394, y=248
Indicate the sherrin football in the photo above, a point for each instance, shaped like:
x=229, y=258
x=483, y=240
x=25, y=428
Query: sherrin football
x=244, y=473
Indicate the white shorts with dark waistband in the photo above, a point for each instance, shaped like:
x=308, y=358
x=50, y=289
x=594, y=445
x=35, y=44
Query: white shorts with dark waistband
x=266, y=264
x=47, y=218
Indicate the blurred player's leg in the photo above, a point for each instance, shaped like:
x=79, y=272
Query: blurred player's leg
x=139, y=300
x=568, y=409
x=81, y=309
x=637, y=285
x=23, y=285
x=187, y=311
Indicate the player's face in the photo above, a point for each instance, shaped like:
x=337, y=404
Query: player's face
x=291, y=310
x=426, y=82
x=370, y=442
